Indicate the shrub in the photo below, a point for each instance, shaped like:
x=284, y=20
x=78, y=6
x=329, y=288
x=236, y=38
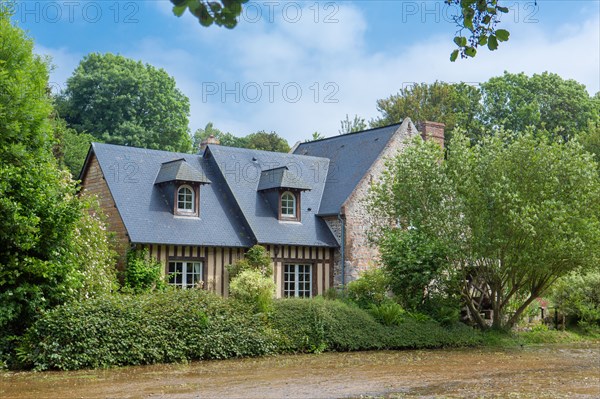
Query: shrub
x=254, y=289
x=388, y=314
x=578, y=296
x=314, y=325
x=143, y=273
x=370, y=289
x=162, y=327
x=257, y=258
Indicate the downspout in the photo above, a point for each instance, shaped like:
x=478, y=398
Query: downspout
x=342, y=249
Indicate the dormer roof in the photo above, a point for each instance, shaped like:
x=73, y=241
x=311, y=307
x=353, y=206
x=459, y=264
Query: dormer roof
x=281, y=178
x=179, y=170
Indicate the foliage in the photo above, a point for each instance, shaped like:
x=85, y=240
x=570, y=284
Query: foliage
x=543, y=101
x=72, y=147
x=221, y=12
x=266, y=141
x=479, y=18
x=225, y=139
x=370, y=288
x=120, y=101
x=578, y=296
x=514, y=213
x=456, y=105
x=161, y=327
x=417, y=267
x=253, y=288
x=315, y=136
x=91, y=251
x=350, y=126
x=38, y=206
x=315, y=325
x=388, y=313
x=142, y=273
x=256, y=258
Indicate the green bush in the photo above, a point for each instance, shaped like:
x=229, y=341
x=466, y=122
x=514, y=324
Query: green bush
x=388, y=314
x=143, y=273
x=170, y=326
x=370, y=289
x=316, y=325
x=254, y=289
x=257, y=258
x=578, y=296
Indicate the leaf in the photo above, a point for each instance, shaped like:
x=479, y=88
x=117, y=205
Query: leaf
x=502, y=9
x=179, y=10
x=482, y=40
x=492, y=43
x=454, y=55
x=470, y=51
x=502, y=35
x=460, y=41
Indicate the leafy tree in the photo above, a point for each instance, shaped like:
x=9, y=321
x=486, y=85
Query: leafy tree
x=72, y=147
x=120, y=101
x=455, y=105
x=350, y=126
x=514, y=213
x=256, y=258
x=41, y=225
x=544, y=101
x=315, y=136
x=226, y=139
x=266, y=141
x=143, y=273
x=578, y=295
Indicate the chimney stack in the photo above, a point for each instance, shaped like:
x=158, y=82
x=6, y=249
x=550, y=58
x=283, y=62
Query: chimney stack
x=432, y=131
x=209, y=140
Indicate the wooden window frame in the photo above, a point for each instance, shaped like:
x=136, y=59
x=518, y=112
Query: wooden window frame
x=196, y=201
x=297, y=196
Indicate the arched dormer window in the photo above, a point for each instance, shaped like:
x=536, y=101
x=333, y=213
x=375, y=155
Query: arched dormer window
x=186, y=199
x=288, y=206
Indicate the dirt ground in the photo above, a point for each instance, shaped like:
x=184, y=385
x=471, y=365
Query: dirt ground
x=550, y=371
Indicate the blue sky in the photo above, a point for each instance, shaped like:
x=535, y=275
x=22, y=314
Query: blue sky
x=296, y=67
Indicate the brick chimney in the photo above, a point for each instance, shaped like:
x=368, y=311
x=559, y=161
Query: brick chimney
x=209, y=140
x=432, y=131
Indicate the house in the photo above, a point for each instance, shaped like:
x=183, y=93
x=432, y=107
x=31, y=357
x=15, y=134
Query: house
x=197, y=213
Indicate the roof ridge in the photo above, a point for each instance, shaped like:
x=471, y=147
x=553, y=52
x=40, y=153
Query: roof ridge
x=349, y=134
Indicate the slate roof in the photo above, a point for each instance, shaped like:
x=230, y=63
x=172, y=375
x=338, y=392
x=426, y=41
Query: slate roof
x=130, y=174
x=179, y=170
x=351, y=155
x=280, y=177
x=242, y=170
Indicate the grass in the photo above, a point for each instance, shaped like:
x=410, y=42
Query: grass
x=539, y=335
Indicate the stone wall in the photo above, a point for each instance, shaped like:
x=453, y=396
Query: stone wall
x=94, y=183
x=359, y=254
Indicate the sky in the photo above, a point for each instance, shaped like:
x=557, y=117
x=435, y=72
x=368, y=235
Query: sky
x=296, y=67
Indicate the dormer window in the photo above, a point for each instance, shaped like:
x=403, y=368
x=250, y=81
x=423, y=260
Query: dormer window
x=186, y=199
x=288, y=207
x=180, y=183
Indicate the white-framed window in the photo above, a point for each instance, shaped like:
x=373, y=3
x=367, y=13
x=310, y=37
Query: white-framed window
x=185, y=199
x=184, y=274
x=288, y=205
x=297, y=280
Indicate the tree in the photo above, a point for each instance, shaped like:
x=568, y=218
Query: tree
x=315, y=136
x=350, y=126
x=266, y=141
x=455, y=105
x=545, y=101
x=514, y=213
x=72, y=147
x=121, y=101
x=226, y=139
x=43, y=223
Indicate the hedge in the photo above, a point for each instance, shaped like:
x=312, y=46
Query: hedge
x=183, y=325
